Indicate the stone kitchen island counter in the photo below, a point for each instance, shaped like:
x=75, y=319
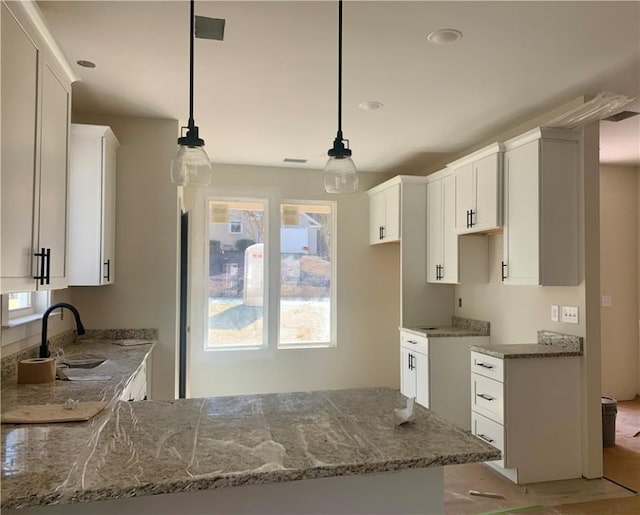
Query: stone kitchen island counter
x=307, y=452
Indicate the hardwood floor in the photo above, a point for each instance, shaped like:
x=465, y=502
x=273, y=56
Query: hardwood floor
x=616, y=494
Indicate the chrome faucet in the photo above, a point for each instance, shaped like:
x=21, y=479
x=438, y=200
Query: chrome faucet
x=44, y=345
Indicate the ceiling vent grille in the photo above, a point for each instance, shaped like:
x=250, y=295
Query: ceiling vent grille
x=623, y=115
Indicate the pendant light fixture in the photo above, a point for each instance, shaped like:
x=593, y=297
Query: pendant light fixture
x=340, y=174
x=191, y=165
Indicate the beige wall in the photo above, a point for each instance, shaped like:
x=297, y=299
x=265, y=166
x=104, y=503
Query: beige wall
x=516, y=313
x=144, y=293
x=619, y=279
x=367, y=352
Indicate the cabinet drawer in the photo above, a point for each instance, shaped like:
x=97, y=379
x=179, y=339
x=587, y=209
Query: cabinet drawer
x=487, y=366
x=413, y=342
x=488, y=431
x=487, y=397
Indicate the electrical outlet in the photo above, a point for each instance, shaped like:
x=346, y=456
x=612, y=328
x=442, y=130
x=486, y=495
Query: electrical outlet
x=554, y=312
x=606, y=301
x=570, y=314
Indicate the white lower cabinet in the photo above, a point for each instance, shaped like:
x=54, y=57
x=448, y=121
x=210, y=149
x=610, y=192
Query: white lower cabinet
x=529, y=408
x=435, y=370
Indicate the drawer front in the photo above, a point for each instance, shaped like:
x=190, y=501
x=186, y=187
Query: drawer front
x=413, y=342
x=487, y=397
x=488, y=366
x=488, y=431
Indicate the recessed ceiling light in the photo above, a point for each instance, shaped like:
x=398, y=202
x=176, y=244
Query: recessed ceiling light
x=371, y=105
x=444, y=36
x=86, y=64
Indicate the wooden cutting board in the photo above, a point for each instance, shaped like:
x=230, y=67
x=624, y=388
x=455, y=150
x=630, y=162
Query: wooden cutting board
x=47, y=413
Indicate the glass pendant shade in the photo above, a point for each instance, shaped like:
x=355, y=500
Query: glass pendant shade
x=191, y=167
x=340, y=175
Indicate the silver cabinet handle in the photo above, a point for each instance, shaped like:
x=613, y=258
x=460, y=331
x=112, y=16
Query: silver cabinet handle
x=485, y=396
x=484, y=365
x=485, y=438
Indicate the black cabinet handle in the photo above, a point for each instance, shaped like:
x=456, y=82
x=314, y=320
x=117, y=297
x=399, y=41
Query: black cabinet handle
x=107, y=263
x=48, y=278
x=504, y=266
x=412, y=342
x=382, y=235
x=45, y=266
x=380, y=232
x=485, y=438
x=484, y=365
x=468, y=219
x=471, y=213
x=439, y=272
x=485, y=397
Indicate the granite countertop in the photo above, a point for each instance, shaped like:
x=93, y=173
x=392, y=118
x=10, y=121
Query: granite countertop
x=459, y=327
x=550, y=344
x=154, y=447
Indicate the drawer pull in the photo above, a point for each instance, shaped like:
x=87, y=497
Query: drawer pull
x=485, y=438
x=484, y=365
x=485, y=396
x=412, y=342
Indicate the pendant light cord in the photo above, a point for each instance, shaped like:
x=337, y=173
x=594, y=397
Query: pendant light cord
x=191, y=38
x=340, y=69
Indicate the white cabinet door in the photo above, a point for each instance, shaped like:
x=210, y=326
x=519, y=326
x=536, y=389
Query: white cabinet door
x=92, y=205
x=421, y=362
x=479, y=191
x=521, y=235
x=407, y=373
x=108, y=258
x=384, y=215
x=377, y=216
x=442, y=237
x=434, y=230
x=465, y=196
x=392, y=223
x=449, y=273
x=18, y=177
x=487, y=176
x=52, y=230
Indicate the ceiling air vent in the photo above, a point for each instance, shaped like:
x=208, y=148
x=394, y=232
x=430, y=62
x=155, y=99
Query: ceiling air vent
x=623, y=115
x=293, y=160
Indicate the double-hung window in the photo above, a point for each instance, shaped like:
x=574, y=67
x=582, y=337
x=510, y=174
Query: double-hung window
x=270, y=280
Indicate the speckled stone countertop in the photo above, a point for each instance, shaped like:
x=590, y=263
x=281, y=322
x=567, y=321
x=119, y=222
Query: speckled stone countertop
x=550, y=344
x=39, y=459
x=459, y=327
x=155, y=447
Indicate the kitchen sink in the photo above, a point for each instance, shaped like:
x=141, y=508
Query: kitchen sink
x=81, y=361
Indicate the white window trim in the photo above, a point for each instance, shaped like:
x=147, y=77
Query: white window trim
x=19, y=328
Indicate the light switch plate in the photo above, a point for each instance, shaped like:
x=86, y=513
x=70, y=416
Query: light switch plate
x=554, y=312
x=606, y=301
x=570, y=314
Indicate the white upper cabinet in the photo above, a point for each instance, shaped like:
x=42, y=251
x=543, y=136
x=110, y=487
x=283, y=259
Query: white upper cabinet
x=479, y=190
x=541, y=209
x=451, y=258
x=92, y=205
x=384, y=213
x=36, y=107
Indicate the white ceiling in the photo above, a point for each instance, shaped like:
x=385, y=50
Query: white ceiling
x=268, y=91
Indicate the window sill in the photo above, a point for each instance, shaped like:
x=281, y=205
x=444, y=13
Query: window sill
x=15, y=322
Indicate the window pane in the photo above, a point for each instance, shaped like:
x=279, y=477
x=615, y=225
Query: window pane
x=236, y=274
x=306, y=257
x=20, y=301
